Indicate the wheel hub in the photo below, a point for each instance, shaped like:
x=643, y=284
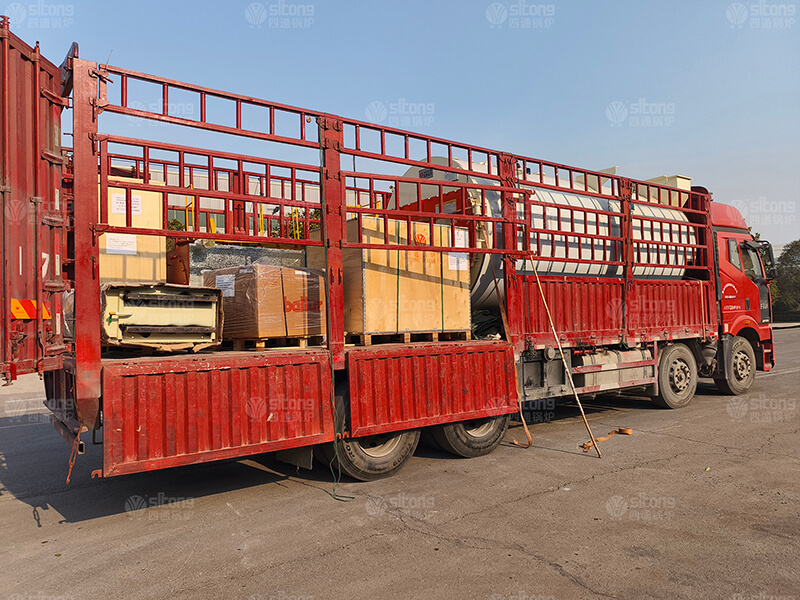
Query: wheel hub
x=479, y=428
x=679, y=376
x=741, y=366
x=381, y=445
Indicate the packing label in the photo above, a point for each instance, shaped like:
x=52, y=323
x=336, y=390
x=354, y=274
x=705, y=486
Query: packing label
x=226, y=283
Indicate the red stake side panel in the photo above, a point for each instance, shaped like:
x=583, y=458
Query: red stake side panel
x=667, y=310
x=584, y=311
x=402, y=387
x=594, y=311
x=168, y=412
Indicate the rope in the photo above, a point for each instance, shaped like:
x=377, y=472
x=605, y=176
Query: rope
x=73, y=455
x=337, y=475
x=621, y=431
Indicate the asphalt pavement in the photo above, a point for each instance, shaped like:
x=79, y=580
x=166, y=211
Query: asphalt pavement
x=698, y=503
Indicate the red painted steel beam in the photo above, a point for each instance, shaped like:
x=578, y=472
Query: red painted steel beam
x=626, y=226
x=6, y=191
x=333, y=231
x=507, y=165
x=87, y=253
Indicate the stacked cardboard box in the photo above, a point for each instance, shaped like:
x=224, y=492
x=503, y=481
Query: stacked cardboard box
x=267, y=302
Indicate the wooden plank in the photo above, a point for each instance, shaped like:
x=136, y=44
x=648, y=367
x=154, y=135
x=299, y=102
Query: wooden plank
x=272, y=343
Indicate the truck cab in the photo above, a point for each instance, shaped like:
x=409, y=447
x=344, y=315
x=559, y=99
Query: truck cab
x=744, y=268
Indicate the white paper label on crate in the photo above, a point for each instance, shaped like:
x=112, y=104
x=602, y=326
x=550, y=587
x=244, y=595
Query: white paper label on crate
x=118, y=204
x=226, y=283
x=120, y=243
x=459, y=261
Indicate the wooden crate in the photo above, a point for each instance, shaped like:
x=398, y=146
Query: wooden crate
x=398, y=291
x=132, y=258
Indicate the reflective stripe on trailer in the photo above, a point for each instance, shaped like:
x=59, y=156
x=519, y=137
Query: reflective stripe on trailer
x=26, y=309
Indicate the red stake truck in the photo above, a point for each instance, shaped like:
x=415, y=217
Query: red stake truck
x=651, y=284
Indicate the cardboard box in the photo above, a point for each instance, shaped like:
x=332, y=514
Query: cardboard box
x=134, y=258
x=402, y=291
x=265, y=301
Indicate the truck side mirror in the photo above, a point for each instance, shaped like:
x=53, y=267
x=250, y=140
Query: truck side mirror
x=768, y=259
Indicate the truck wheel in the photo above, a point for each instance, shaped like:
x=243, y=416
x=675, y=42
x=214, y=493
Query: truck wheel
x=370, y=457
x=743, y=361
x=471, y=438
x=677, y=377
x=375, y=456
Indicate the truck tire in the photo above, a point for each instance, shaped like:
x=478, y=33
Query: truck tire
x=677, y=377
x=370, y=457
x=471, y=438
x=426, y=438
x=743, y=362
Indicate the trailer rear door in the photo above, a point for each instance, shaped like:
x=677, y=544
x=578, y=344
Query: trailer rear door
x=34, y=214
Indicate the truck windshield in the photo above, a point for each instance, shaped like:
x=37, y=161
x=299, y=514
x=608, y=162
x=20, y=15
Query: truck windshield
x=751, y=263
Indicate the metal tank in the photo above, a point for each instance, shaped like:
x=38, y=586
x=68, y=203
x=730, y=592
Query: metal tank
x=583, y=260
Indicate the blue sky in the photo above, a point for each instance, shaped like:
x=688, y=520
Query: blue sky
x=720, y=82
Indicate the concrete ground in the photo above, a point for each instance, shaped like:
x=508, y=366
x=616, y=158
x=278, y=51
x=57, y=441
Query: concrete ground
x=697, y=503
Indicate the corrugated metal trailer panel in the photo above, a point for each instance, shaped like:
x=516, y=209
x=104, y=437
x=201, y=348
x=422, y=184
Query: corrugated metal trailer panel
x=597, y=312
x=33, y=213
x=670, y=310
x=584, y=311
x=183, y=410
x=404, y=387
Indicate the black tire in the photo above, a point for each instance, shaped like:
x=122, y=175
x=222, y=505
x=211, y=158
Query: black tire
x=743, y=363
x=426, y=438
x=677, y=377
x=370, y=457
x=471, y=438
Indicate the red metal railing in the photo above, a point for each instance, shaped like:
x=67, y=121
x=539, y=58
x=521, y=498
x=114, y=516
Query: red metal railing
x=489, y=194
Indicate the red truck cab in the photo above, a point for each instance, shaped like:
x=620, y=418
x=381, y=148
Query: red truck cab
x=745, y=266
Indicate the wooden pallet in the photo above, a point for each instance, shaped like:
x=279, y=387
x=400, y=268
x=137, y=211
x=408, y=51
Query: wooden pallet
x=407, y=337
x=268, y=343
